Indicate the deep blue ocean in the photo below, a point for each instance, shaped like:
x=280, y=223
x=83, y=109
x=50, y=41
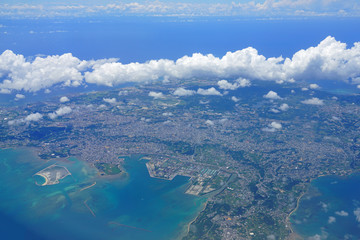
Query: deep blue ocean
x=137, y=39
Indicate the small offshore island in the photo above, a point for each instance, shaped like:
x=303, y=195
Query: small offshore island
x=52, y=174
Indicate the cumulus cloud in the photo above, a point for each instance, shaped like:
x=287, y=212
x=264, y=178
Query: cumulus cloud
x=330, y=59
x=60, y=112
x=272, y=95
x=19, y=96
x=5, y=91
x=357, y=214
x=64, y=99
x=284, y=107
x=314, y=86
x=156, y=95
x=123, y=93
x=342, y=213
x=110, y=100
x=40, y=73
x=167, y=114
x=274, y=110
x=315, y=237
x=276, y=125
x=240, y=82
x=331, y=220
x=183, y=92
x=272, y=127
x=313, y=101
x=209, y=91
x=235, y=99
x=209, y=122
x=33, y=117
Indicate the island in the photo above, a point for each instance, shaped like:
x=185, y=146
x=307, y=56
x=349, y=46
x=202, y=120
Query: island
x=52, y=174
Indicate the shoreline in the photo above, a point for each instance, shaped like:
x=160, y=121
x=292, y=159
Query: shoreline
x=189, y=224
x=292, y=232
x=45, y=177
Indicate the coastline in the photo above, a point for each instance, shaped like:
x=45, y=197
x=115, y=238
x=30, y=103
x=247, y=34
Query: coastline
x=192, y=221
x=293, y=234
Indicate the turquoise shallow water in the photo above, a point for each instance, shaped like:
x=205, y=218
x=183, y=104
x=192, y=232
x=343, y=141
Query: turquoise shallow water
x=330, y=209
x=133, y=207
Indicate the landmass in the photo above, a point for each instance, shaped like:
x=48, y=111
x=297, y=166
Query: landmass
x=53, y=174
x=251, y=158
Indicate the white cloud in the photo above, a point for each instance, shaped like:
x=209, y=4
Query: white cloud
x=249, y=8
x=304, y=89
x=330, y=59
x=235, y=99
x=209, y=122
x=314, y=86
x=272, y=127
x=243, y=82
x=209, y=91
x=357, y=214
x=240, y=82
x=313, y=101
x=41, y=73
x=33, y=117
x=110, y=100
x=123, y=93
x=272, y=95
x=156, y=95
x=5, y=91
x=284, y=107
x=60, y=112
x=274, y=110
x=64, y=99
x=268, y=129
x=315, y=237
x=342, y=213
x=167, y=114
x=19, y=96
x=183, y=92
x=331, y=220
x=276, y=125
x=223, y=84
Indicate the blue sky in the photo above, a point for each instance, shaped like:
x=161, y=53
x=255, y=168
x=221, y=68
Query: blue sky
x=257, y=8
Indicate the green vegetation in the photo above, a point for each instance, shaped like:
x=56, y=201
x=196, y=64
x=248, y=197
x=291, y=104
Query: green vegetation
x=108, y=168
x=180, y=147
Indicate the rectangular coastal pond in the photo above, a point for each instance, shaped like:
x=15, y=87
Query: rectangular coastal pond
x=81, y=204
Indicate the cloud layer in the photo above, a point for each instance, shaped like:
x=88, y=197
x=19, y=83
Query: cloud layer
x=181, y=8
x=330, y=60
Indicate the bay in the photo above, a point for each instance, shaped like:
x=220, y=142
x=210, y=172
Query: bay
x=330, y=209
x=87, y=206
